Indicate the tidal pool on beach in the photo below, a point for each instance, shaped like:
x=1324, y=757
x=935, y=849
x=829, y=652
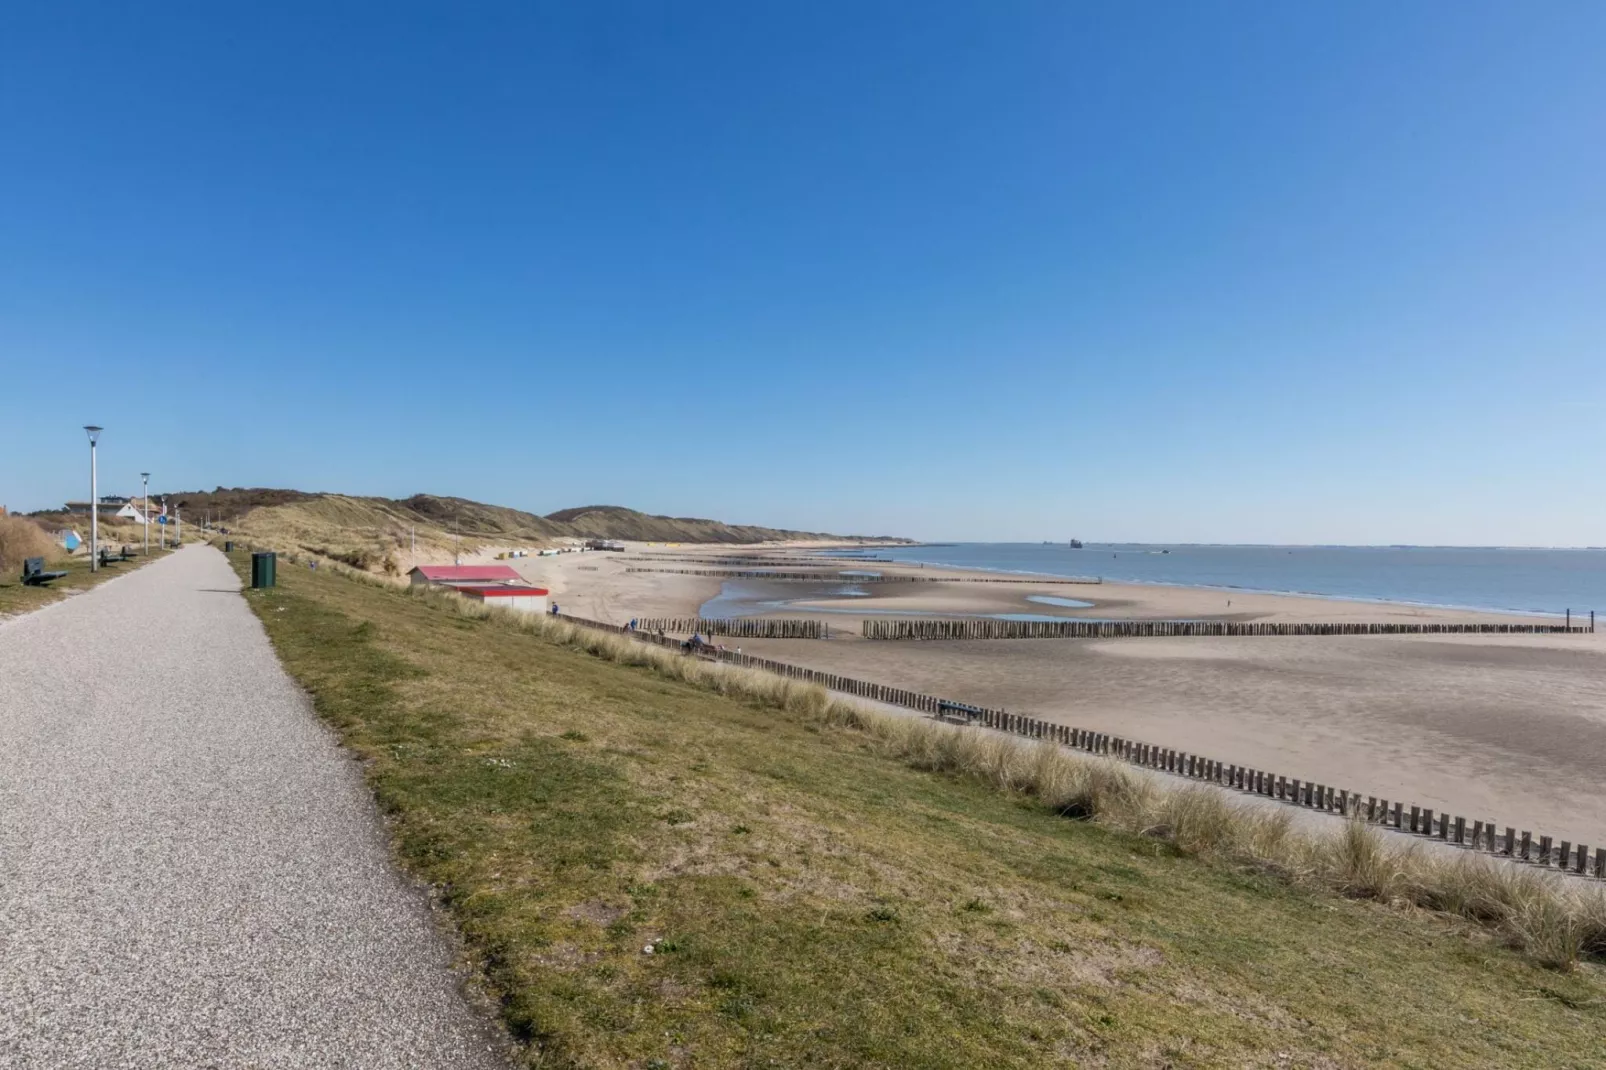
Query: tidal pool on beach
x=1054, y=600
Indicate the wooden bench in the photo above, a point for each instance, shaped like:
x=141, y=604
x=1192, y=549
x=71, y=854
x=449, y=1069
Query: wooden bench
x=958, y=712
x=34, y=574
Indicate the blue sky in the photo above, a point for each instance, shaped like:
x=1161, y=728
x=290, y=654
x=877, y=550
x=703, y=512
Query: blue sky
x=1212, y=272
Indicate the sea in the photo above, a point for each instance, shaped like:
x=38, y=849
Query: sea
x=1518, y=580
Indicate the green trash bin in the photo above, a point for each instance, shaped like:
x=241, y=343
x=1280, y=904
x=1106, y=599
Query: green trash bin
x=264, y=564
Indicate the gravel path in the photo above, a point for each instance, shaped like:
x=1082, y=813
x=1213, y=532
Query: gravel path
x=192, y=873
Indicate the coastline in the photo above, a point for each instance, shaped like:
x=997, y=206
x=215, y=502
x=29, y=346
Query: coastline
x=612, y=587
x=1450, y=721
x=1138, y=550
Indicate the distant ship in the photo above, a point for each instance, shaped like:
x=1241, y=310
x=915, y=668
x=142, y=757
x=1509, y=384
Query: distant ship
x=1076, y=544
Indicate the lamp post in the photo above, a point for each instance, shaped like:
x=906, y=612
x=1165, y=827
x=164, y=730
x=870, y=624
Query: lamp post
x=145, y=507
x=94, y=501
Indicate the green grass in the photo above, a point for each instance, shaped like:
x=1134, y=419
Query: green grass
x=17, y=598
x=813, y=902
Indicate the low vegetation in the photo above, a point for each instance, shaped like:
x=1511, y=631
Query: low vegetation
x=822, y=886
x=22, y=538
x=379, y=534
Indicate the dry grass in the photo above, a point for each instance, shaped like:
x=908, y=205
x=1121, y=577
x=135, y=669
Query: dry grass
x=1554, y=919
x=21, y=538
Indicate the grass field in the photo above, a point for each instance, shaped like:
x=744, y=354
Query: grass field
x=16, y=598
x=812, y=902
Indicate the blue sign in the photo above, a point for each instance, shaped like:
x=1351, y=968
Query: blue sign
x=161, y=520
x=72, y=541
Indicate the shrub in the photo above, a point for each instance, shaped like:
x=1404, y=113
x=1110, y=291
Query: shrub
x=21, y=538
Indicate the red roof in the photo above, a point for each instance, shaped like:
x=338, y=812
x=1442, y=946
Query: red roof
x=467, y=572
x=505, y=592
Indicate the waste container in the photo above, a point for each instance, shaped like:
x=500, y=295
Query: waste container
x=228, y=546
x=264, y=565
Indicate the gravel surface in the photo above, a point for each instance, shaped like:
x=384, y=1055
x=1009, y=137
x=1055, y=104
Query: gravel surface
x=192, y=872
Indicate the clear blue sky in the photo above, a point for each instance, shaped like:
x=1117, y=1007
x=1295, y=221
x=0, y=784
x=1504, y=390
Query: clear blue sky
x=1217, y=272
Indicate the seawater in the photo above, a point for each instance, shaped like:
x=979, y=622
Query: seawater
x=737, y=598
x=1521, y=580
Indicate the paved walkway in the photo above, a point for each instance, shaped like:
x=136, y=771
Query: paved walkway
x=192, y=873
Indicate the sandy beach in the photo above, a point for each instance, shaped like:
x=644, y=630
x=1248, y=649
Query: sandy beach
x=1503, y=728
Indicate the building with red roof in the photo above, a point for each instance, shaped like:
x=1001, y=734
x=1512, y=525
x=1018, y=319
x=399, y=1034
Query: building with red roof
x=455, y=574
x=509, y=596
x=495, y=585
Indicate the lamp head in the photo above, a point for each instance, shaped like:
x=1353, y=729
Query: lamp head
x=94, y=432
x=144, y=475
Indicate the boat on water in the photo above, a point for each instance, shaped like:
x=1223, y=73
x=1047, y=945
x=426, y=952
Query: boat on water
x=1076, y=544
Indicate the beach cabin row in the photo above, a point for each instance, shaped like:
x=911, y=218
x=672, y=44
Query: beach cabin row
x=496, y=585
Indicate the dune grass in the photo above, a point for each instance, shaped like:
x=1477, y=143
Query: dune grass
x=822, y=886
x=21, y=538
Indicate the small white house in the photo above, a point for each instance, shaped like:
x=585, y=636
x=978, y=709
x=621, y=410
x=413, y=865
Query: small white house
x=128, y=512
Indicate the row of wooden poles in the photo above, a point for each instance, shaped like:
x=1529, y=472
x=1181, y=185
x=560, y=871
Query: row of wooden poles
x=740, y=627
x=1121, y=629
x=1483, y=836
x=777, y=574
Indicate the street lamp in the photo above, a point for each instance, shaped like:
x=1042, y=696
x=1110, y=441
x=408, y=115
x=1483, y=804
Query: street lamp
x=145, y=507
x=94, y=502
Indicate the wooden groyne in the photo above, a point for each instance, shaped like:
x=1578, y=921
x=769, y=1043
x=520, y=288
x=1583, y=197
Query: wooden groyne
x=739, y=627
x=1486, y=836
x=1131, y=629
x=836, y=574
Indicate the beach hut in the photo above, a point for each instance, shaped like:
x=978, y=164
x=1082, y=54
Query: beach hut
x=509, y=596
x=453, y=575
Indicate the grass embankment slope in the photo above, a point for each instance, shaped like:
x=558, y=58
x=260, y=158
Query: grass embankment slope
x=21, y=538
x=364, y=532
x=812, y=902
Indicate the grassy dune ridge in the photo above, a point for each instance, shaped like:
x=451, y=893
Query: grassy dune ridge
x=378, y=534
x=823, y=886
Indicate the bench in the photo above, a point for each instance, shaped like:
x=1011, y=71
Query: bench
x=958, y=712
x=34, y=574
x=106, y=557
